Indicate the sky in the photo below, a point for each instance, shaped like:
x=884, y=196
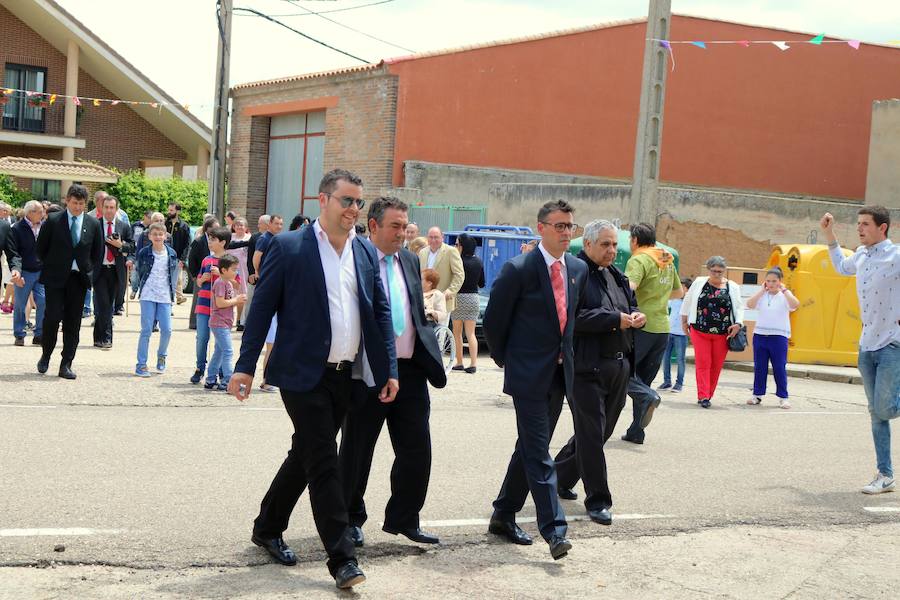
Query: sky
x=173, y=42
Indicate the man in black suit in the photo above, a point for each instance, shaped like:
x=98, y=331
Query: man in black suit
x=418, y=363
x=529, y=323
x=335, y=339
x=70, y=247
x=8, y=247
x=604, y=361
x=119, y=247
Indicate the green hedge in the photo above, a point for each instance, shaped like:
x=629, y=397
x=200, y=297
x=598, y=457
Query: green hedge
x=11, y=194
x=138, y=193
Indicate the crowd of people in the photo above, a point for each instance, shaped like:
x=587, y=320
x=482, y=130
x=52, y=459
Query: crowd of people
x=350, y=345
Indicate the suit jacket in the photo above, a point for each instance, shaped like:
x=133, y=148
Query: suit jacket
x=8, y=246
x=449, y=266
x=522, y=327
x=426, y=352
x=292, y=284
x=123, y=254
x=197, y=251
x=54, y=248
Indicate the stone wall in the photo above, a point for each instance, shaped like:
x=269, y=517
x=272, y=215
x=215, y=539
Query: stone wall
x=883, y=177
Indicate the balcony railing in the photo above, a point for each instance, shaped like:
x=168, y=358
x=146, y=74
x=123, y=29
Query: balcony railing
x=19, y=115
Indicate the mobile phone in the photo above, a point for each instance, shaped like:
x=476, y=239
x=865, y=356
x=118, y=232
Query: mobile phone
x=114, y=236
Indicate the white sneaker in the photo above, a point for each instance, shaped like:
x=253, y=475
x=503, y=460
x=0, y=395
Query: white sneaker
x=784, y=403
x=881, y=484
x=753, y=400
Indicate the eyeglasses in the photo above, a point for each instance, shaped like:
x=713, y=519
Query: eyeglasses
x=348, y=201
x=716, y=271
x=560, y=227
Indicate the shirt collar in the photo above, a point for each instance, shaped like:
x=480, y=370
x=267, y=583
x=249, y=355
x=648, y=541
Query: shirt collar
x=548, y=258
x=880, y=246
x=70, y=216
x=320, y=233
x=381, y=254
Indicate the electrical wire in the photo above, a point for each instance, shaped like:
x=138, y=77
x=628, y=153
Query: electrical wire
x=332, y=10
x=363, y=33
x=300, y=33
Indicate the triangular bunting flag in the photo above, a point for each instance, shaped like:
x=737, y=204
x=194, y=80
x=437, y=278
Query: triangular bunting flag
x=154, y=104
x=744, y=43
x=76, y=101
x=665, y=44
x=853, y=44
x=700, y=44
x=52, y=99
x=817, y=40
x=781, y=45
x=96, y=102
x=114, y=102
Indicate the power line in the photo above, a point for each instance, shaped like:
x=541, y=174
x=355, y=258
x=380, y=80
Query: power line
x=300, y=33
x=333, y=10
x=363, y=33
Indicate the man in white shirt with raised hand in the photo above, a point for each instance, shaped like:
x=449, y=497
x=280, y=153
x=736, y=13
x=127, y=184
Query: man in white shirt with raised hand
x=876, y=264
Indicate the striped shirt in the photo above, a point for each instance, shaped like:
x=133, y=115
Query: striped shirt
x=204, y=295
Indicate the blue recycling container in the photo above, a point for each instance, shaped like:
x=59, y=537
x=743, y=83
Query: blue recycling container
x=496, y=245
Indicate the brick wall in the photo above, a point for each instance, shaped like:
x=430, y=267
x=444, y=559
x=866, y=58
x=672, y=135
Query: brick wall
x=359, y=133
x=116, y=136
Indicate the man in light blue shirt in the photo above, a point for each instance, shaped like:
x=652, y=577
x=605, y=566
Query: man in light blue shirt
x=876, y=264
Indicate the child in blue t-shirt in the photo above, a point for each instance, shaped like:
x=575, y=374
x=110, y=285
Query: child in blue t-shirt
x=678, y=341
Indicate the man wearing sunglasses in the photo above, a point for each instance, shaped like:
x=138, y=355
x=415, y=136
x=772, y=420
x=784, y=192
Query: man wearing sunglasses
x=529, y=323
x=335, y=339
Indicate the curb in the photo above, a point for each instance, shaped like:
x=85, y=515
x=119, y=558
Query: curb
x=794, y=371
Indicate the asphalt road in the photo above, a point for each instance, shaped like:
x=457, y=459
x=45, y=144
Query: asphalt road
x=152, y=485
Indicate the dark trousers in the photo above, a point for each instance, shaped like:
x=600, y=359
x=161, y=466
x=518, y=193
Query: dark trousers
x=648, y=354
x=192, y=318
x=317, y=415
x=407, y=423
x=120, y=293
x=531, y=467
x=64, y=305
x=766, y=349
x=104, y=303
x=599, y=399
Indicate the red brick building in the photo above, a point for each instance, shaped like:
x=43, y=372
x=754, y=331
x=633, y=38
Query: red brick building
x=45, y=49
x=752, y=119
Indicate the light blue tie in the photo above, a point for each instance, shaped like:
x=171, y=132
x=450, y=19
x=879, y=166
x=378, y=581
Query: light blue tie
x=397, y=316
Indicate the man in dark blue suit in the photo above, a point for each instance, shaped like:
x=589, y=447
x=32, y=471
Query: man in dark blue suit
x=529, y=324
x=418, y=362
x=335, y=339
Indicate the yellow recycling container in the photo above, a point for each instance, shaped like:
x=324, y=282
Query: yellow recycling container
x=825, y=329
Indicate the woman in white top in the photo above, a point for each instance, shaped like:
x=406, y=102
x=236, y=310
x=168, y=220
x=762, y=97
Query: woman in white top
x=712, y=312
x=774, y=304
x=435, y=304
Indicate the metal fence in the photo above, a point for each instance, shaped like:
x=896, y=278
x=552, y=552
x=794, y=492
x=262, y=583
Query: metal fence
x=447, y=217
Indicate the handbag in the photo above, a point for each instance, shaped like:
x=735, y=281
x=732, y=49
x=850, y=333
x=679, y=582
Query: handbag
x=737, y=342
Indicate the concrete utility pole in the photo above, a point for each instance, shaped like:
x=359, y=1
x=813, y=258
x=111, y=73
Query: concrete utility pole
x=220, y=122
x=648, y=148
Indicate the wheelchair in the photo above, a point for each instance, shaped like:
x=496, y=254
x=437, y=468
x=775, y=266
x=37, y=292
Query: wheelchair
x=446, y=345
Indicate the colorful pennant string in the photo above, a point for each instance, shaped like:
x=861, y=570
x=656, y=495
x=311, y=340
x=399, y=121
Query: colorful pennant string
x=780, y=44
x=45, y=99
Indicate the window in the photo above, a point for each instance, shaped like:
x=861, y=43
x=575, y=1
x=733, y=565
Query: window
x=296, y=164
x=18, y=114
x=46, y=189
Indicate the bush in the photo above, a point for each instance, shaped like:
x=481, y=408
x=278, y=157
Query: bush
x=11, y=194
x=138, y=193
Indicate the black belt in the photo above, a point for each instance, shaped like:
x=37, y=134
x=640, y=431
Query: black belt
x=339, y=366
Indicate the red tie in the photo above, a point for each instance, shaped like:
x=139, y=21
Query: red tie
x=109, y=252
x=559, y=294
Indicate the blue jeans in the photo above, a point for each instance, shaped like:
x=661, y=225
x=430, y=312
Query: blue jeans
x=135, y=280
x=774, y=349
x=202, y=341
x=880, y=372
x=152, y=312
x=87, y=300
x=222, y=355
x=20, y=294
x=678, y=343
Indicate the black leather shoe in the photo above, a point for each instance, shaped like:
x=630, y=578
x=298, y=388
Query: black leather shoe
x=567, y=494
x=648, y=414
x=602, y=516
x=415, y=534
x=276, y=547
x=20, y=341
x=625, y=438
x=36, y=340
x=510, y=531
x=559, y=547
x=43, y=364
x=348, y=575
x=66, y=372
x=356, y=535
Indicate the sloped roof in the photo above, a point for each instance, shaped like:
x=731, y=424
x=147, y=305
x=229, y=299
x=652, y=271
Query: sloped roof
x=53, y=23
x=292, y=78
x=41, y=168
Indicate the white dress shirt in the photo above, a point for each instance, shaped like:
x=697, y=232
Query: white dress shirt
x=877, y=270
x=343, y=296
x=432, y=258
x=406, y=343
x=79, y=223
x=549, y=259
x=108, y=226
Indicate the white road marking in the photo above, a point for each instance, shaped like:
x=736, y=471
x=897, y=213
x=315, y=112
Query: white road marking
x=56, y=532
x=260, y=408
x=882, y=509
x=470, y=522
x=24, y=406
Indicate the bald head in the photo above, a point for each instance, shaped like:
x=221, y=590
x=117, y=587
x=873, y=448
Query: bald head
x=435, y=238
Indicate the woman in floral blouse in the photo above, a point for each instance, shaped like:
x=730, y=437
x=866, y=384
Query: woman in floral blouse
x=712, y=313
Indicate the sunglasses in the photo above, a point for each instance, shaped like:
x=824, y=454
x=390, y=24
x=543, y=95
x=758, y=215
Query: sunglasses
x=348, y=201
x=560, y=227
